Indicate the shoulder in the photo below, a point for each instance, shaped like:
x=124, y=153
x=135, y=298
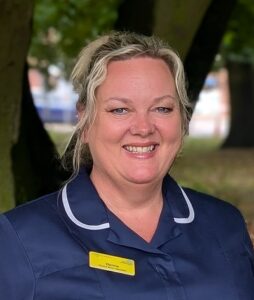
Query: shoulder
x=39, y=220
x=33, y=220
x=14, y=264
x=218, y=216
x=40, y=233
x=212, y=207
x=206, y=208
x=36, y=212
x=31, y=223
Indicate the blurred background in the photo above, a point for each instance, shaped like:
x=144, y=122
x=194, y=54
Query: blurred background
x=40, y=41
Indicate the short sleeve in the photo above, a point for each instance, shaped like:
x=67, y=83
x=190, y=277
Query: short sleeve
x=16, y=276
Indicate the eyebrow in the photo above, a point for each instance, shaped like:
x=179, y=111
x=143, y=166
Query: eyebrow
x=164, y=97
x=126, y=100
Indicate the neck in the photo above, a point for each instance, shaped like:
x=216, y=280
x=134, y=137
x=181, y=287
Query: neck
x=127, y=196
x=137, y=205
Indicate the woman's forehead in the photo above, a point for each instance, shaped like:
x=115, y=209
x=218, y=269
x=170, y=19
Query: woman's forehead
x=137, y=75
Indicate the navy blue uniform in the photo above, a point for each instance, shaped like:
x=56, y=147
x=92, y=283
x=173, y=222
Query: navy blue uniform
x=200, y=250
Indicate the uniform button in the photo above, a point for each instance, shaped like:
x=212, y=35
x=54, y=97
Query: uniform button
x=164, y=266
x=162, y=270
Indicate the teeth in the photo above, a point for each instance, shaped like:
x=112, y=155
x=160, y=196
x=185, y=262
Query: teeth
x=134, y=149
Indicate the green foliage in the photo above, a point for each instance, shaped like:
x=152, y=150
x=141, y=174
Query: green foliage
x=238, y=42
x=62, y=28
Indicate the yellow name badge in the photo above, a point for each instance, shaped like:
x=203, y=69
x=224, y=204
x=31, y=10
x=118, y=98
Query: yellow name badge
x=111, y=263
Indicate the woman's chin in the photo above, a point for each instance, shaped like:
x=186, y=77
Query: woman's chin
x=143, y=177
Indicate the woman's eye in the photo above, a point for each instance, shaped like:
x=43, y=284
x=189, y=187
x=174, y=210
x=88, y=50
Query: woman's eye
x=164, y=110
x=119, y=111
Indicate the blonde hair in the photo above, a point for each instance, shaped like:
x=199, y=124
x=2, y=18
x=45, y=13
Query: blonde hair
x=91, y=70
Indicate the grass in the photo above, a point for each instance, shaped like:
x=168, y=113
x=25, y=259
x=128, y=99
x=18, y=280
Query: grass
x=202, y=165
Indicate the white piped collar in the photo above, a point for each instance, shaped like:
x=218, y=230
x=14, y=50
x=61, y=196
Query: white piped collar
x=74, y=219
x=191, y=216
x=106, y=225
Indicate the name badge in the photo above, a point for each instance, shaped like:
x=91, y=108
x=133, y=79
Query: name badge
x=111, y=263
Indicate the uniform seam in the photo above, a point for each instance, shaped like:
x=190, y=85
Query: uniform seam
x=76, y=240
x=60, y=270
x=224, y=252
x=26, y=255
x=73, y=267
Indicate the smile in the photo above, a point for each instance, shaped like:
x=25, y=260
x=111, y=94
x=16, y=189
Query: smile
x=134, y=149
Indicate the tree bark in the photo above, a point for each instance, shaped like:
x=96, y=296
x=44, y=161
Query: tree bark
x=241, y=86
x=29, y=166
x=36, y=165
x=15, y=32
x=137, y=16
x=177, y=21
x=205, y=44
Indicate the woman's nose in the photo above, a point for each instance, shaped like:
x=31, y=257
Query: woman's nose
x=142, y=125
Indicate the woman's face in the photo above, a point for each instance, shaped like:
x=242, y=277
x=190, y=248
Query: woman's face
x=137, y=130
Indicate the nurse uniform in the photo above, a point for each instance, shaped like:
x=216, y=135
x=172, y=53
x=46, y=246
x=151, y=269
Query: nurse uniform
x=69, y=246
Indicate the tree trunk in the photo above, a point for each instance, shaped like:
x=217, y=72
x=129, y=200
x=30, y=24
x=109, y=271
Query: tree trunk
x=177, y=21
x=205, y=44
x=36, y=166
x=29, y=166
x=241, y=86
x=136, y=16
x=15, y=32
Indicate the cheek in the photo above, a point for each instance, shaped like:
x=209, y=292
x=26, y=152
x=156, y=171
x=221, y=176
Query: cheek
x=172, y=130
x=115, y=131
x=106, y=133
x=177, y=126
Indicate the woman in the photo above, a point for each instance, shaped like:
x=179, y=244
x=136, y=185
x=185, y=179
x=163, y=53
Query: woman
x=121, y=228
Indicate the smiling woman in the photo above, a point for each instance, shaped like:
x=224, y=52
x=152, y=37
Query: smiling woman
x=121, y=228
x=139, y=143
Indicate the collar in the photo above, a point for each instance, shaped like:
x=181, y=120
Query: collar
x=177, y=199
x=84, y=211
x=80, y=204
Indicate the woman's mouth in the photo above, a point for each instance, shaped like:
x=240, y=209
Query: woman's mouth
x=139, y=149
